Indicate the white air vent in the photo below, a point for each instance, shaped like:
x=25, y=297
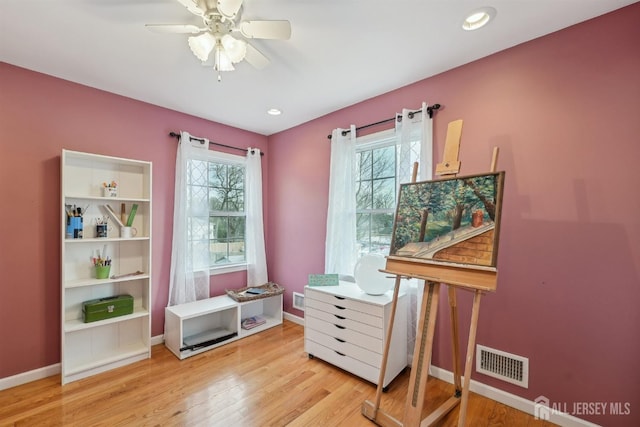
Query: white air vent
x=502, y=365
x=298, y=301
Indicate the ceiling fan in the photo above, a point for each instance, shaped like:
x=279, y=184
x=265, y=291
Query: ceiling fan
x=214, y=42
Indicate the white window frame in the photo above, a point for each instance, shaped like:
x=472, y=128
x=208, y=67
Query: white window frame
x=386, y=138
x=233, y=160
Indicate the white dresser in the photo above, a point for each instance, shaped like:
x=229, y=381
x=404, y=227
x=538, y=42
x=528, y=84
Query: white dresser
x=347, y=328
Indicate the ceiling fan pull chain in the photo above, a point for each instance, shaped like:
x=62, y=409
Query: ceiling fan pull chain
x=218, y=65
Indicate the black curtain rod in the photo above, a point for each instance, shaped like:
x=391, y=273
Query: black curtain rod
x=192, y=138
x=430, y=110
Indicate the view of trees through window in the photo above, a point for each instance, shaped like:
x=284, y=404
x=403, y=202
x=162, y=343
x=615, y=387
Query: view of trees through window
x=216, y=194
x=375, y=198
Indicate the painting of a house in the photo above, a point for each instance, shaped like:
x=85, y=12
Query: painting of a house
x=453, y=220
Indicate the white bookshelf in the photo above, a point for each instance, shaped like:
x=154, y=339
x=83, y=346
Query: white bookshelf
x=91, y=348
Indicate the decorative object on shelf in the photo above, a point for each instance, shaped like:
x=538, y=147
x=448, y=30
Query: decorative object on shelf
x=102, y=227
x=102, y=264
x=132, y=215
x=102, y=271
x=110, y=189
x=74, y=229
x=128, y=232
x=323, y=280
x=269, y=289
x=113, y=215
x=101, y=230
x=369, y=278
x=106, y=308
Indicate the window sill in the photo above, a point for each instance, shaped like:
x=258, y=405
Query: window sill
x=230, y=268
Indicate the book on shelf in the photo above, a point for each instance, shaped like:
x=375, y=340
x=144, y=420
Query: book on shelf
x=253, y=321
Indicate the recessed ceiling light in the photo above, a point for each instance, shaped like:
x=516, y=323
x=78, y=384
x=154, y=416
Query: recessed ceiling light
x=478, y=18
x=274, y=112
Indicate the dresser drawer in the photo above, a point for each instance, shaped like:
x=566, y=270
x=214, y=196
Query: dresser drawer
x=345, y=347
x=347, y=328
x=342, y=311
x=342, y=332
x=340, y=319
x=340, y=301
x=343, y=361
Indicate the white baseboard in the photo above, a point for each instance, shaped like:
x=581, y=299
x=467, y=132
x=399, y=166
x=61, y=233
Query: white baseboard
x=293, y=318
x=158, y=339
x=27, y=377
x=47, y=371
x=517, y=402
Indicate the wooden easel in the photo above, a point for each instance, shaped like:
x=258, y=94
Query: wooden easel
x=477, y=279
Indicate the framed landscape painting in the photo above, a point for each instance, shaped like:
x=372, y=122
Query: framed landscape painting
x=453, y=220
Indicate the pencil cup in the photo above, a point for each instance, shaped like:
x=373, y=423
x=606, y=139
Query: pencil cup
x=128, y=232
x=76, y=227
x=102, y=271
x=110, y=191
x=102, y=230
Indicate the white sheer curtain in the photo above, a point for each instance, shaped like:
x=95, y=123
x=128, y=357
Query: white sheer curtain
x=415, y=137
x=340, y=245
x=189, y=274
x=255, y=252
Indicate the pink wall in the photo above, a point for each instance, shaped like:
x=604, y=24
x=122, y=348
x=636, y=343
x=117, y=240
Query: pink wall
x=39, y=116
x=564, y=111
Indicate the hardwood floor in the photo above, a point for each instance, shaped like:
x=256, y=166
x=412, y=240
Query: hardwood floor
x=262, y=380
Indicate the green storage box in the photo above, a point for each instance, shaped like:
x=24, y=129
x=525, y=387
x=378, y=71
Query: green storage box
x=106, y=308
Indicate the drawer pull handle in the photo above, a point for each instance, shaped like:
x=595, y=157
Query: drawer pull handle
x=340, y=298
x=340, y=317
x=339, y=327
x=338, y=307
x=338, y=339
x=341, y=354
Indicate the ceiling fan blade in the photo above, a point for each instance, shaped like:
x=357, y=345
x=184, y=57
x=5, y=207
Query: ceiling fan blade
x=192, y=6
x=255, y=57
x=174, y=28
x=280, y=30
x=229, y=8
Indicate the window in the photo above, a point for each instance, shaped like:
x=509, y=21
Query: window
x=376, y=183
x=216, y=203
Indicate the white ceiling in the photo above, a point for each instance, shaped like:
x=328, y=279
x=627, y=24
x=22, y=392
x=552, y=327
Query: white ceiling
x=341, y=52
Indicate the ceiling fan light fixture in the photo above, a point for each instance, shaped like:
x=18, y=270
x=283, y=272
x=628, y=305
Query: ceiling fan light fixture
x=478, y=18
x=202, y=45
x=222, y=60
x=229, y=8
x=235, y=49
